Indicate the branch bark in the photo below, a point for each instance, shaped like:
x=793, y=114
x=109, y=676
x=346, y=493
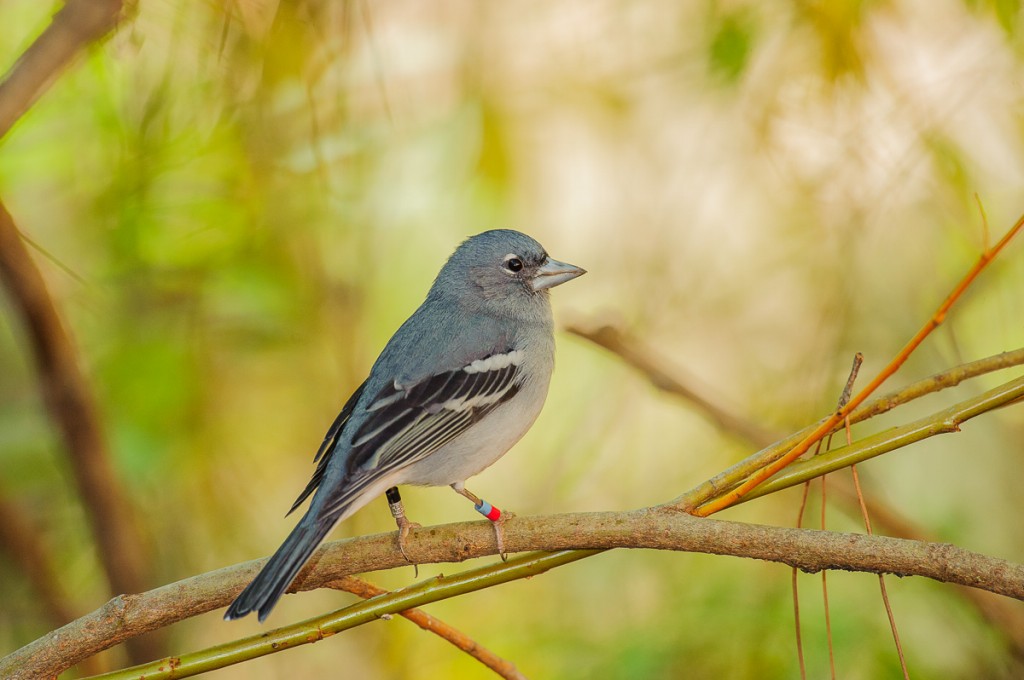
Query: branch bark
x=503, y=667
x=810, y=550
x=72, y=407
x=675, y=382
x=20, y=540
x=74, y=27
x=1002, y=615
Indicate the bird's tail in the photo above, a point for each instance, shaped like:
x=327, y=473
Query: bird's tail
x=277, y=574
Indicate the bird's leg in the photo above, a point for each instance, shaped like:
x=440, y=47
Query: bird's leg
x=404, y=525
x=489, y=511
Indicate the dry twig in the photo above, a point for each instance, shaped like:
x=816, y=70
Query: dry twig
x=764, y=469
x=21, y=541
x=74, y=27
x=1004, y=616
x=72, y=407
x=432, y=624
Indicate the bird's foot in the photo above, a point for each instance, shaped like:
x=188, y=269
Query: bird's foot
x=404, y=527
x=492, y=513
x=498, y=519
x=499, y=534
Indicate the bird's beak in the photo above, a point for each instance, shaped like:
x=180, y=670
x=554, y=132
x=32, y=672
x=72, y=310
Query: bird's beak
x=554, y=273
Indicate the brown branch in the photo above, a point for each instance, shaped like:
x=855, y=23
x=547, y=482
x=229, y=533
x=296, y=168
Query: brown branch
x=21, y=541
x=1002, y=615
x=810, y=550
x=77, y=25
x=74, y=27
x=630, y=350
x=23, y=545
x=762, y=468
x=432, y=624
x=72, y=407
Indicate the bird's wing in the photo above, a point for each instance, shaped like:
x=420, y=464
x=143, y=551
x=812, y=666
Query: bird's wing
x=327, y=446
x=405, y=423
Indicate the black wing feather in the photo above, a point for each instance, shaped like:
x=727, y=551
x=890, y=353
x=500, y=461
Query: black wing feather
x=327, y=447
x=404, y=424
x=423, y=400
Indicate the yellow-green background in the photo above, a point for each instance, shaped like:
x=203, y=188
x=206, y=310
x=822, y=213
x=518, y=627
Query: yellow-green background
x=237, y=213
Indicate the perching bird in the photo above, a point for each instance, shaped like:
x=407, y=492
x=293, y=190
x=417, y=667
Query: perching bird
x=457, y=385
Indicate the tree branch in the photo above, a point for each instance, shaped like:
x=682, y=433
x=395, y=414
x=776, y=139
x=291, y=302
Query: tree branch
x=650, y=365
x=1002, y=615
x=129, y=615
x=73, y=409
x=766, y=468
x=432, y=624
x=20, y=540
x=944, y=422
x=74, y=27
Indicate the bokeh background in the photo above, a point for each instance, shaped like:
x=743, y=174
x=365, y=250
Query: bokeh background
x=236, y=203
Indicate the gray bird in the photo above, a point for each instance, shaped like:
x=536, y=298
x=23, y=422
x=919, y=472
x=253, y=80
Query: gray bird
x=456, y=387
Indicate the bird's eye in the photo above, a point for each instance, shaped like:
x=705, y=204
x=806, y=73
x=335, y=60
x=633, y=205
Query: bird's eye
x=514, y=264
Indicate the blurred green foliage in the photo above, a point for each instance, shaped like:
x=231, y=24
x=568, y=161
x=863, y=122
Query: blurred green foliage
x=235, y=205
x=732, y=40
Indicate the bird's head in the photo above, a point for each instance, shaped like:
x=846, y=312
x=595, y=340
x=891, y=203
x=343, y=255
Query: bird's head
x=501, y=269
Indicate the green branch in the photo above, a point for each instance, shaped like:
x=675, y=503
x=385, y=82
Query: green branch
x=942, y=422
x=734, y=476
x=318, y=628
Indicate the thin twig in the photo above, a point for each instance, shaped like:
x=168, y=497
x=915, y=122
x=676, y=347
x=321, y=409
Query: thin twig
x=844, y=398
x=867, y=527
x=24, y=546
x=945, y=421
x=432, y=624
x=824, y=591
x=881, y=578
x=796, y=592
x=74, y=27
x=711, y=505
x=1003, y=616
x=673, y=381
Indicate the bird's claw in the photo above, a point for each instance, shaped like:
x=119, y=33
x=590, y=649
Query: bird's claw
x=404, y=527
x=499, y=534
x=494, y=514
